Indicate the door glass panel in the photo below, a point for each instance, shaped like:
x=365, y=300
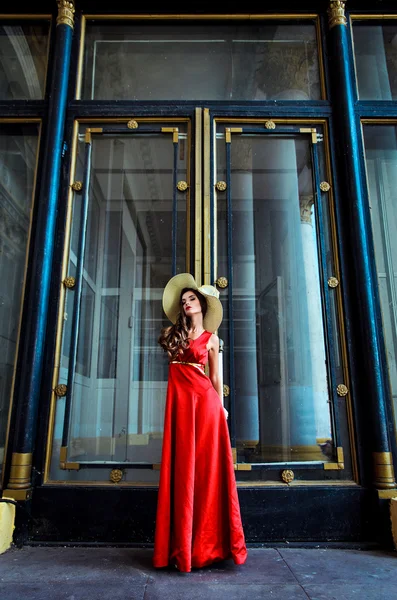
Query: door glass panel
x=23, y=59
x=381, y=163
x=201, y=61
x=375, y=53
x=18, y=149
x=281, y=397
x=118, y=396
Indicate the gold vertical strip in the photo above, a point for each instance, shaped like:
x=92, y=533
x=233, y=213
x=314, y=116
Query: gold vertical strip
x=79, y=80
x=215, y=206
x=339, y=303
x=62, y=303
x=23, y=290
x=207, y=198
x=188, y=146
x=198, y=203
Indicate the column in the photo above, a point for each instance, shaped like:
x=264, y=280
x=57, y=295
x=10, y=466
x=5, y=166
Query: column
x=356, y=207
x=244, y=285
x=30, y=359
x=315, y=320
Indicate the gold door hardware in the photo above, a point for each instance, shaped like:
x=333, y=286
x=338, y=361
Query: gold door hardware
x=61, y=390
x=229, y=131
x=132, y=124
x=336, y=466
x=270, y=125
x=333, y=282
x=287, y=475
x=311, y=130
x=89, y=131
x=222, y=282
x=77, y=186
x=116, y=475
x=174, y=131
x=226, y=390
x=342, y=390
x=69, y=282
x=182, y=186
x=221, y=186
x=63, y=461
x=324, y=186
x=243, y=467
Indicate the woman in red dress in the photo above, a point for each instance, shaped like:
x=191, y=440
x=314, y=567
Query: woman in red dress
x=198, y=513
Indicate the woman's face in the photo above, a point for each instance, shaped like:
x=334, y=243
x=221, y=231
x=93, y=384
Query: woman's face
x=191, y=304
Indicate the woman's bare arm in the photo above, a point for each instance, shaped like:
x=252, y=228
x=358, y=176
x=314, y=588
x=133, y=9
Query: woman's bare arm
x=213, y=361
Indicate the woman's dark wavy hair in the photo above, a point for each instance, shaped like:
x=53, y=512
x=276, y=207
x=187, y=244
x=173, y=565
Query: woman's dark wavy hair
x=174, y=339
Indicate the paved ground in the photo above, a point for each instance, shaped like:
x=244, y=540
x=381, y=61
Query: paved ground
x=80, y=573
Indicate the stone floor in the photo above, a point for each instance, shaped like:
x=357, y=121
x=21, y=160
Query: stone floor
x=81, y=573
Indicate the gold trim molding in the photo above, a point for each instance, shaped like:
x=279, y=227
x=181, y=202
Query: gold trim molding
x=65, y=13
x=336, y=13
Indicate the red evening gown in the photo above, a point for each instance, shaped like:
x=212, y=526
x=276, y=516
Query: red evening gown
x=198, y=513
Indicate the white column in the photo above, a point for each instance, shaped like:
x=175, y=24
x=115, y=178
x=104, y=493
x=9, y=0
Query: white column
x=315, y=321
x=244, y=284
x=371, y=65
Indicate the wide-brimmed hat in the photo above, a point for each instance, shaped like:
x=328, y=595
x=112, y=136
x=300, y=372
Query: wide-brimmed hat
x=172, y=296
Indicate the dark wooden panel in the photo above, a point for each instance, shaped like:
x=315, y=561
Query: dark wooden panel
x=127, y=516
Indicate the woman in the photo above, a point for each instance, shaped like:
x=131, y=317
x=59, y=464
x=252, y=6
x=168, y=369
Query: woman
x=198, y=513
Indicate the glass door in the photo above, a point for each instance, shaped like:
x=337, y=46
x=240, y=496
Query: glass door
x=272, y=256
x=130, y=231
x=263, y=233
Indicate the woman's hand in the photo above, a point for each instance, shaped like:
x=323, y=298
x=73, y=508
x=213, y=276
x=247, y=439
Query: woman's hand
x=226, y=412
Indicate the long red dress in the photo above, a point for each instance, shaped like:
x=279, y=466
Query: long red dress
x=198, y=513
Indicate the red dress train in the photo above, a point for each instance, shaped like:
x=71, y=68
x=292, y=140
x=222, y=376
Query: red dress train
x=198, y=513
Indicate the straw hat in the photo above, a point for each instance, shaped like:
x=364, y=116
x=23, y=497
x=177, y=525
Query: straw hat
x=172, y=295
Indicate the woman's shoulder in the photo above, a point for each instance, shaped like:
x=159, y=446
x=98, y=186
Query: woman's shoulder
x=213, y=340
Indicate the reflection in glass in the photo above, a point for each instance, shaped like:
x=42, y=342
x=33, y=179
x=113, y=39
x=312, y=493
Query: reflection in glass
x=23, y=59
x=192, y=61
x=375, y=52
x=381, y=163
x=18, y=149
x=121, y=374
x=281, y=391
